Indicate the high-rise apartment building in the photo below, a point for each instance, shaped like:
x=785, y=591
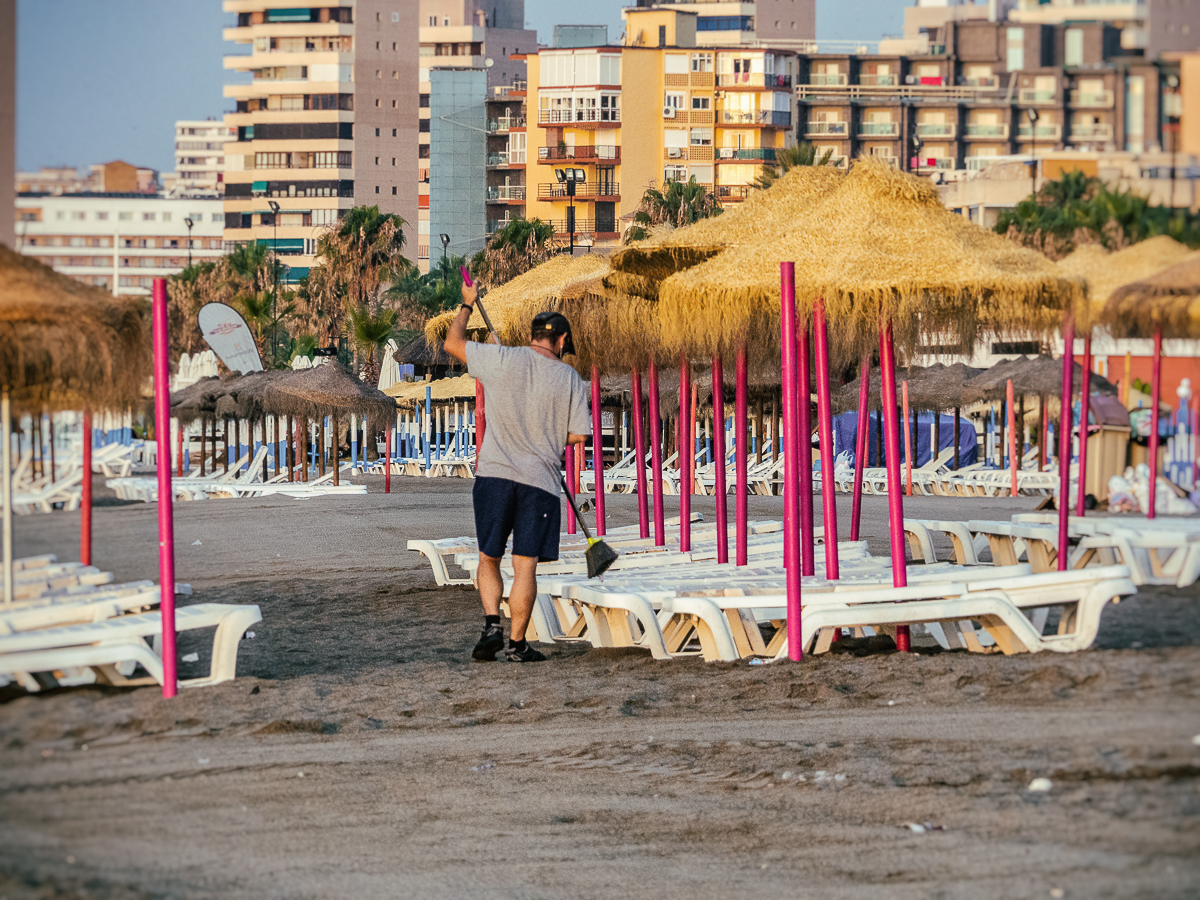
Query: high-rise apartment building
x=200, y=156
x=635, y=116
x=721, y=23
x=1146, y=27
x=8, y=117
x=328, y=121
x=507, y=154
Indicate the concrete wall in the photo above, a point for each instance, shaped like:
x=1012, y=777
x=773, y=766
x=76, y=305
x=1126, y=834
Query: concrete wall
x=641, y=114
x=458, y=150
x=8, y=119
x=1189, y=86
x=797, y=20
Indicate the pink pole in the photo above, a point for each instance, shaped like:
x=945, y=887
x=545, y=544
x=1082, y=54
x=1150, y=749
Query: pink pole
x=1014, y=461
x=907, y=444
x=569, y=459
x=862, y=444
x=660, y=528
x=166, y=525
x=791, y=460
x=1196, y=443
x=808, y=536
x=639, y=449
x=742, y=429
x=825, y=429
x=718, y=401
x=686, y=453
x=1155, y=396
x=1085, y=388
x=887, y=367
x=85, y=501
x=598, y=450
x=1064, y=440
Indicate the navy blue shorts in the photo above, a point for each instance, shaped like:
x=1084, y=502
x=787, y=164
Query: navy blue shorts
x=529, y=514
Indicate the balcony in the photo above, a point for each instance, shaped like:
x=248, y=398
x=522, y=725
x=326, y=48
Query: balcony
x=834, y=128
x=1033, y=97
x=578, y=116
x=733, y=193
x=504, y=158
x=758, y=154
x=753, y=80
x=987, y=82
x=877, y=80
x=503, y=92
x=589, y=190
x=583, y=227
x=505, y=124
x=879, y=129
x=987, y=130
x=976, y=163
x=1091, y=131
x=936, y=129
x=1047, y=131
x=603, y=154
x=695, y=154
x=944, y=163
x=495, y=225
x=768, y=118
x=1092, y=99
x=505, y=193
x=827, y=79
x=688, y=117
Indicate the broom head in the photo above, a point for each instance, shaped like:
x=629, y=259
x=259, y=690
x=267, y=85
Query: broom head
x=599, y=557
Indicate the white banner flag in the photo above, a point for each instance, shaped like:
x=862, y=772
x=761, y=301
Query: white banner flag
x=227, y=333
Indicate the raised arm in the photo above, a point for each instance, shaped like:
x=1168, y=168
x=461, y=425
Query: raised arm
x=456, y=341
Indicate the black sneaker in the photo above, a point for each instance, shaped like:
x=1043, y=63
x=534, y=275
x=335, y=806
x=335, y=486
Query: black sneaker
x=527, y=654
x=490, y=643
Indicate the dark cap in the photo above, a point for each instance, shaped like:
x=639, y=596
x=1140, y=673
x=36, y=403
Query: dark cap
x=556, y=324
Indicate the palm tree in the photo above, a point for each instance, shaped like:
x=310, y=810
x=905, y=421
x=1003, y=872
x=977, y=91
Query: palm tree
x=513, y=250
x=252, y=266
x=187, y=292
x=801, y=154
x=260, y=313
x=679, y=203
x=369, y=332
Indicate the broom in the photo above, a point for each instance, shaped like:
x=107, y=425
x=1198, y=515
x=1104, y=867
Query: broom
x=599, y=556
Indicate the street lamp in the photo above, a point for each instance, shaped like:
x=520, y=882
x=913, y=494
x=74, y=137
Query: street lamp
x=189, y=223
x=571, y=178
x=1033, y=120
x=445, y=246
x=917, y=144
x=275, y=269
x=1172, y=129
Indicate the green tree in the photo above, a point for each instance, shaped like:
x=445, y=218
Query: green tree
x=513, y=250
x=261, y=313
x=679, y=203
x=369, y=333
x=801, y=154
x=1080, y=209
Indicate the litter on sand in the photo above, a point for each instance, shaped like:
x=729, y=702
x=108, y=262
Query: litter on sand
x=190, y=657
x=197, y=544
x=1040, y=785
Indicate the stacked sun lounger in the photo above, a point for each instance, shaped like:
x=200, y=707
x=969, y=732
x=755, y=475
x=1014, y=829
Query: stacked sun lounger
x=70, y=624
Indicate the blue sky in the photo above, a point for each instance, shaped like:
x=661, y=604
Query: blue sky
x=106, y=79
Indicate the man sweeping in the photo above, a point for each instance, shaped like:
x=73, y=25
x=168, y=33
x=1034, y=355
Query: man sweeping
x=536, y=405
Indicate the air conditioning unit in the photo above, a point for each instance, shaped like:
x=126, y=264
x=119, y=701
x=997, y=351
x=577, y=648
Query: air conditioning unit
x=674, y=153
x=728, y=152
x=668, y=112
x=720, y=95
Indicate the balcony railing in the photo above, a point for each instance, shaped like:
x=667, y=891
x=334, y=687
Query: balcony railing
x=827, y=128
x=975, y=163
x=582, y=227
x=990, y=81
x=769, y=117
x=584, y=191
x=577, y=116
x=688, y=117
x=1029, y=95
x=600, y=153
x=495, y=225
x=733, y=193
x=761, y=154
x=502, y=193
x=827, y=79
x=499, y=159
x=1090, y=131
x=1092, y=99
x=879, y=129
x=753, y=80
x=877, y=80
x=505, y=123
x=503, y=92
x=1049, y=130
x=945, y=163
x=937, y=129
x=987, y=130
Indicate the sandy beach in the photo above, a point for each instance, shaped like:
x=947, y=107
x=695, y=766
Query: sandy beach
x=361, y=753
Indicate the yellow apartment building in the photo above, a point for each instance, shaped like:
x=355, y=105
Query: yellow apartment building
x=656, y=109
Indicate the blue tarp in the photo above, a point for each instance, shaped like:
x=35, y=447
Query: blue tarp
x=846, y=433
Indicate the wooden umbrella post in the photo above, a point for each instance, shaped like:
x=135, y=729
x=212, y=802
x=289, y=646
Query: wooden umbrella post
x=1155, y=397
x=237, y=443
x=685, y=470
x=861, y=443
x=639, y=453
x=759, y=433
x=1012, y=439
x=166, y=524
x=85, y=501
x=803, y=414
x=828, y=450
x=6, y=489
x=290, y=450
x=50, y=428
x=656, y=436
x=887, y=368
x=598, y=450
x=178, y=449
x=791, y=497
x=1064, y=441
x=336, y=450
x=907, y=444
x=718, y=401
x=1043, y=422
x=263, y=431
x=741, y=435
x=224, y=445
x=957, y=438
x=321, y=443
x=1085, y=389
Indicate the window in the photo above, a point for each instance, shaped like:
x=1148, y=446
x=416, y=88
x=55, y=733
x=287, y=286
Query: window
x=393, y=160
x=393, y=104
x=395, y=75
x=701, y=137
x=376, y=132
x=395, y=17
x=673, y=99
x=377, y=102
x=377, y=189
x=101, y=217
x=675, y=173
x=702, y=62
x=1015, y=57
x=148, y=217
x=433, y=21
x=393, y=132
x=378, y=73
x=701, y=103
x=166, y=217
x=377, y=160
x=393, y=192
x=215, y=217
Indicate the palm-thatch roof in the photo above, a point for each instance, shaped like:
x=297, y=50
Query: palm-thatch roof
x=421, y=351
x=65, y=345
x=325, y=389
x=545, y=280
x=197, y=401
x=245, y=396
x=881, y=248
x=410, y=393
x=1169, y=299
x=1104, y=272
x=639, y=269
x=934, y=387
x=1032, y=376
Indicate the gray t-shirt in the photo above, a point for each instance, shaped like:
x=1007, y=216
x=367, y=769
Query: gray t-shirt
x=531, y=404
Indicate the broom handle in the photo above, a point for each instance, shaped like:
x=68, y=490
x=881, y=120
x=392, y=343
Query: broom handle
x=487, y=321
x=571, y=500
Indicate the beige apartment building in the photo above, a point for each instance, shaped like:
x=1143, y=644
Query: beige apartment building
x=722, y=23
x=199, y=157
x=328, y=121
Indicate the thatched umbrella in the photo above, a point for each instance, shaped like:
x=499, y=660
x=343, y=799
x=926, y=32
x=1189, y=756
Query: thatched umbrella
x=328, y=389
x=64, y=345
x=198, y=402
x=1031, y=376
x=1164, y=304
x=421, y=351
x=408, y=393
